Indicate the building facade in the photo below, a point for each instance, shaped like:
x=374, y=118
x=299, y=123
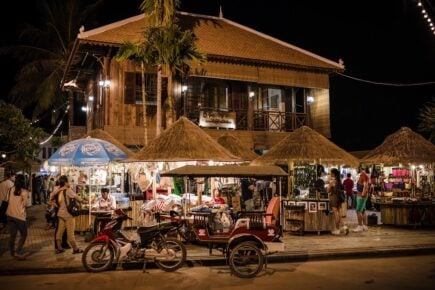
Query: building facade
x=257, y=86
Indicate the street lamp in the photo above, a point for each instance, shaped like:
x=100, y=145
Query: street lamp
x=184, y=90
x=310, y=101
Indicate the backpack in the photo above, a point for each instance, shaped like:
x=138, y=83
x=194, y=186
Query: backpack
x=72, y=205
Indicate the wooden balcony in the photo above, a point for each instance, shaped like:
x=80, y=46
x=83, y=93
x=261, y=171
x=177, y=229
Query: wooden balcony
x=273, y=121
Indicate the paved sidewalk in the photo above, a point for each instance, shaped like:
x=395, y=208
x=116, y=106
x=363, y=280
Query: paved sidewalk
x=377, y=241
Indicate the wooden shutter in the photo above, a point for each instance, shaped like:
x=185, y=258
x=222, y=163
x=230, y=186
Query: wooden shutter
x=130, y=88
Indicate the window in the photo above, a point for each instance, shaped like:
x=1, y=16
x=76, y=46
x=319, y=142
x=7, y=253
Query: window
x=274, y=99
x=216, y=96
x=133, y=88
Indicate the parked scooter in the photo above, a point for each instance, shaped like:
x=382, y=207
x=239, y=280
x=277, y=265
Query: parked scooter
x=113, y=246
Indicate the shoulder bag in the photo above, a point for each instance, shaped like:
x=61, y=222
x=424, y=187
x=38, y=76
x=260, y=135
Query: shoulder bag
x=72, y=205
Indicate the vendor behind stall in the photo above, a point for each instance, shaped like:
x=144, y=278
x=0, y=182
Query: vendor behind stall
x=105, y=202
x=103, y=206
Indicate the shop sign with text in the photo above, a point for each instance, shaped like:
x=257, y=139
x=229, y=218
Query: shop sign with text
x=213, y=119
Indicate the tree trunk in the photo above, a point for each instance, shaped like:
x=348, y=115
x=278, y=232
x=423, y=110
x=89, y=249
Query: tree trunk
x=144, y=104
x=171, y=106
x=159, y=100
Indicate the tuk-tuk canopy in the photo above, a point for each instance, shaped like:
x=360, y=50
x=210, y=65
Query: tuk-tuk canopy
x=226, y=171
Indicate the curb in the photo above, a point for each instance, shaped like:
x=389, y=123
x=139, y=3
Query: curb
x=287, y=257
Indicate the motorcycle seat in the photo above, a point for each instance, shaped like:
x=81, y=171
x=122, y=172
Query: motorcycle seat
x=143, y=230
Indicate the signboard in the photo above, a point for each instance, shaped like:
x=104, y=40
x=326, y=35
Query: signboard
x=215, y=119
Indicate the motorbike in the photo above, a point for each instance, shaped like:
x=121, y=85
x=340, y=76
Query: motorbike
x=114, y=246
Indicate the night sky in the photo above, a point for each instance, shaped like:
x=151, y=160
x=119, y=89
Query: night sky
x=382, y=41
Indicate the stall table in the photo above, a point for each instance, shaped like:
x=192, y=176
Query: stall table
x=408, y=213
x=307, y=215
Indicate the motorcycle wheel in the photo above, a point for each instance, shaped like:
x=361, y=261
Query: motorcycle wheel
x=246, y=260
x=176, y=255
x=94, y=260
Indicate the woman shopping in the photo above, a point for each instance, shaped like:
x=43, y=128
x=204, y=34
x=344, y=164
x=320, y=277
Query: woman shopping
x=335, y=190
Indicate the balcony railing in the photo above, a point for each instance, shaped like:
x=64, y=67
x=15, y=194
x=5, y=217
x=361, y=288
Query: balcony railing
x=263, y=120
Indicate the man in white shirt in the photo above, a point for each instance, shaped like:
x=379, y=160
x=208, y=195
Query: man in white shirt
x=5, y=186
x=105, y=204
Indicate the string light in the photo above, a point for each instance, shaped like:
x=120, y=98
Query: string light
x=48, y=113
x=57, y=127
x=387, y=84
x=426, y=15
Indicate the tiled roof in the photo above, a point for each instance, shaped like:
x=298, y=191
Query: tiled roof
x=216, y=37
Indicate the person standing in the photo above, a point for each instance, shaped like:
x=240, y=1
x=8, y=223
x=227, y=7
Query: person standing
x=44, y=189
x=362, y=187
x=5, y=186
x=53, y=201
x=66, y=220
x=51, y=185
x=334, y=190
x=16, y=214
x=348, y=188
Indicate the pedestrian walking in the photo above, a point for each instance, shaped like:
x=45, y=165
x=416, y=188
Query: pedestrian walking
x=16, y=214
x=5, y=186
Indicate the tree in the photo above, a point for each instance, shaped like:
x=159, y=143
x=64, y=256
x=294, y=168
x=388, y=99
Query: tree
x=160, y=13
x=427, y=119
x=142, y=54
x=44, y=51
x=175, y=49
x=19, y=140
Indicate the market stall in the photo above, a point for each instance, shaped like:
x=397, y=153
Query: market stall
x=184, y=143
x=87, y=163
x=307, y=154
x=405, y=183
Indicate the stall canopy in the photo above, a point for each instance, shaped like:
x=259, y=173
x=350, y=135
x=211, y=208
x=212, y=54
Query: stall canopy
x=306, y=145
x=233, y=145
x=226, y=171
x=86, y=152
x=404, y=146
x=185, y=141
x=103, y=135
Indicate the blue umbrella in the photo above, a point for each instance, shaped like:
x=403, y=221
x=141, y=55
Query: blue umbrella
x=86, y=152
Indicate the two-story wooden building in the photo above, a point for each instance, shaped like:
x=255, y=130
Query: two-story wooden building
x=253, y=84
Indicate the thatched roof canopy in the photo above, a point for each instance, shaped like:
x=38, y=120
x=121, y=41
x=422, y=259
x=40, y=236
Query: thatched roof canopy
x=404, y=146
x=233, y=145
x=306, y=145
x=103, y=135
x=184, y=141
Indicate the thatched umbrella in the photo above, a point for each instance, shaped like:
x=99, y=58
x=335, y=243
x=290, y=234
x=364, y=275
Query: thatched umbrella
x=305, y=145
x=233, y=145
x=404, y=146
x=103, y=135
x=184, y=141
